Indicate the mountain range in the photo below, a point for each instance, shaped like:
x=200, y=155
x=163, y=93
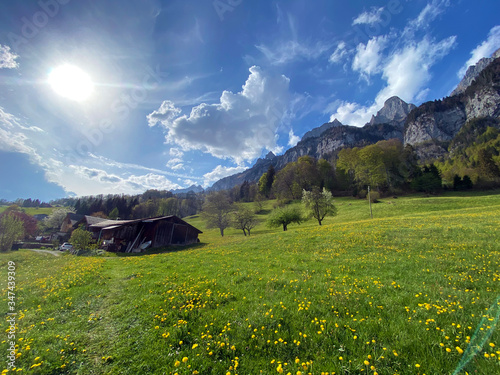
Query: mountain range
x=425, y=128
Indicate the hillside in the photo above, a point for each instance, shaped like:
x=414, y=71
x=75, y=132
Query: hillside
x=405, y=293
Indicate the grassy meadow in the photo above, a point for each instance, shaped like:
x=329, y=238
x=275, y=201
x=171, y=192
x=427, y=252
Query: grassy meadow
x=33, y=210
x=415, y=290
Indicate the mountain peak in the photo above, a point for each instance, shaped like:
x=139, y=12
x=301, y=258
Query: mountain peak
x=316, y=132
x=270, y=155
x=393, y=112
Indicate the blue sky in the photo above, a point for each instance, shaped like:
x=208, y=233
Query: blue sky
x=187, y=92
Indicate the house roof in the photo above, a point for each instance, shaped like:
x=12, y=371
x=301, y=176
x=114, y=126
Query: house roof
x=109, y=223
x=74, y=218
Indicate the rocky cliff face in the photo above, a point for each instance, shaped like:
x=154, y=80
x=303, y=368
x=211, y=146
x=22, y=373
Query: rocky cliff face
x=440, y=125
x=473, y=72
x=441, y=120
x=330, y=141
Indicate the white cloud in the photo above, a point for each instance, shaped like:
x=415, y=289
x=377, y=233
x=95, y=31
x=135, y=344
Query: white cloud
x=83, y=180
x=485, y=49
x=339, y=53
x=371, y=17
x=428, y=14
x=166, y=113
x=355, y=114
x=175, y=152
x=287, y=52
x=368, y=57
x=239, y=127
x=175, y=164
x=406, y=72
x=80, y=179
x=220, y=172
x=12, y=137
x=7, y=58
x=292, y=139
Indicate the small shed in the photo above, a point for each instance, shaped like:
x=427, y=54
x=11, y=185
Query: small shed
x=135, y=235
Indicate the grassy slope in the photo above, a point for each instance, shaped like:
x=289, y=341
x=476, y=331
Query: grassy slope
x=404, y=289
x=33, y=210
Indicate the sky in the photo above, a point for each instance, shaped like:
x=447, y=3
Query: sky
x=112, y=97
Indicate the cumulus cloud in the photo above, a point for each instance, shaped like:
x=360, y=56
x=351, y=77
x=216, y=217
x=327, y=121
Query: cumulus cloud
x=368, y=56
x=220, y=172
x=406, y=72
x=292, y=139
x=166, y=113
x=239, y=127
x=7, y=58
x=371, y=17
x=485, y=49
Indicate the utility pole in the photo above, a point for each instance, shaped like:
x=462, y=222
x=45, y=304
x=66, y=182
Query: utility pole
x=370, y=200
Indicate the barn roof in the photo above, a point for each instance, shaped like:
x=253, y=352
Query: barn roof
x=114, y=224
x=91, y=220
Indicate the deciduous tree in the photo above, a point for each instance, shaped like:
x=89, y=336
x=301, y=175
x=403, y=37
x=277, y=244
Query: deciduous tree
x=244, y=219
x=81, y=239
x=56, y=218
x=319, y=203
x=11, y=230
x=217, y=211
x=284, y=216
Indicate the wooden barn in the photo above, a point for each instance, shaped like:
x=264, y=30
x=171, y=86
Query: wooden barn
x=137, y=235
x=69, y=221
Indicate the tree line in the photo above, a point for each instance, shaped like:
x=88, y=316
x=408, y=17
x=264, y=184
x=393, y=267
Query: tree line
x=148, y=204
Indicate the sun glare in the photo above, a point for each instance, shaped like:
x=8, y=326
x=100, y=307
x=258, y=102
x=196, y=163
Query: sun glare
x=71, y=82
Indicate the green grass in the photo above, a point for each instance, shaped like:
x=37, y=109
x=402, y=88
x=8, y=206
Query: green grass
x=404, y=289
x=33, y=210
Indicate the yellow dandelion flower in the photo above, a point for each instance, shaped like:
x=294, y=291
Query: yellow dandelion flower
x=185, y=359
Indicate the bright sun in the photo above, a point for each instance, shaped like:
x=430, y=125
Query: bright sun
x=71, y=82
